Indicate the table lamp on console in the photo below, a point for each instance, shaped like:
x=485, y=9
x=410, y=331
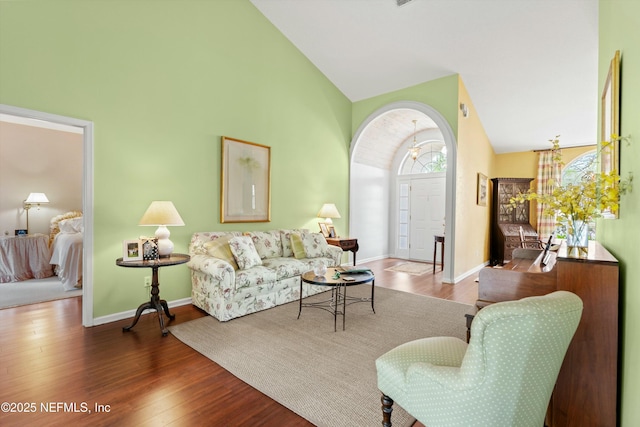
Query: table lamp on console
x=328, y=211
x=162, y=214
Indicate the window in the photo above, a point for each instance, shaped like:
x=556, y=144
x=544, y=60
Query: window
x=432, y=159
x=577, y=169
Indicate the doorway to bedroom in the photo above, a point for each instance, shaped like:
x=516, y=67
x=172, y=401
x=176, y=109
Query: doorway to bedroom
x=41, y=156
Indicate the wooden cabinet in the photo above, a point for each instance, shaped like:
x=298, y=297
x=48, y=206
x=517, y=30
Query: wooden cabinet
x=586, y=390
x=587, y=386
x=506, y=219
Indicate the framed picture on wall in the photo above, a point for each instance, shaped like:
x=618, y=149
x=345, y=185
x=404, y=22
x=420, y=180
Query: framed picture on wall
x=610, y=118
x=245, y=189
x=481, y=197
x=132, y=250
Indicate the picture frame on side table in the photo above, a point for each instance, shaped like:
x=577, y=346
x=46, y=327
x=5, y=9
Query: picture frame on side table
x=332, y=231
x=482, y=190
x=245, y=189
x=323, y=229
x=149, y=248
x=610, y=118
x=132, y=250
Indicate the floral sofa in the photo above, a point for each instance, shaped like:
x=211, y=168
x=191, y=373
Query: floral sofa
x=235, y=273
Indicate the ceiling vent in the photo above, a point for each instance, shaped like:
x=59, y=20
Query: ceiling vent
x=403, y=2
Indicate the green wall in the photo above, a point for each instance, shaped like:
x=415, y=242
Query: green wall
x=162, y=82
x=619, y=22
x=440, y=94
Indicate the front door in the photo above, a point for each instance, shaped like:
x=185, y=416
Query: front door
x=427, y=211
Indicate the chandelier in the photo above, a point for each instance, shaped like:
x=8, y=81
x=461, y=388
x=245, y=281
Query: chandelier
x=414, y=150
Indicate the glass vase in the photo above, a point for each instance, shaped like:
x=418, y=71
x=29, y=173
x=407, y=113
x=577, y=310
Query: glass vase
x=578, y=238
x=319, y=269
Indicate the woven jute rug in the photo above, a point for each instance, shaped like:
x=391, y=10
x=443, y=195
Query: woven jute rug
x=327, y=377
x=414, y=268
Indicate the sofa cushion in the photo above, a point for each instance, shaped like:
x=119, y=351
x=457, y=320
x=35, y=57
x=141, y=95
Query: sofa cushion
x=315, y=245
x=244, y=252
x=286, y=266
x=267, y=243
x=219, y=248
x=308, y=245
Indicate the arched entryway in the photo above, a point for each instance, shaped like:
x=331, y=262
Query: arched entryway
x=377, y=150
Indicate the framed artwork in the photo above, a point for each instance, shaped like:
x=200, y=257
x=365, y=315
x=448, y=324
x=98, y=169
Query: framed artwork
x=132, y=250
x=323, y=229
x=481, y=197
x=245, y=187
x=332, y=231
x=610, y=118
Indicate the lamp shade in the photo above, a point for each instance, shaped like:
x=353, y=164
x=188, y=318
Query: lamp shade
x=161, y=213
x=329, y=211
x=35, y=198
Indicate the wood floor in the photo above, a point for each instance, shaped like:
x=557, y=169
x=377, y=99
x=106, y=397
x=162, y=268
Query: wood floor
x=65, y=374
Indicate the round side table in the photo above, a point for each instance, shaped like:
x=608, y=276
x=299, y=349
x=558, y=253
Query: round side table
x=155, y=303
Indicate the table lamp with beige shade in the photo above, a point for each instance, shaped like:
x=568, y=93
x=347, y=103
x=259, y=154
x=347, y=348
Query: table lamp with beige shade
x=162, y=214
x=329, y=211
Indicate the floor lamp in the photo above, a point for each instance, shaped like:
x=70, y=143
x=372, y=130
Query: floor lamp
x=34, y=199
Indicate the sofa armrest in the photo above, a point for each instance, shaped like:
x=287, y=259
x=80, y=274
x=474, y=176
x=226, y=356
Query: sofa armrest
x=217, y=268
x=335, y=253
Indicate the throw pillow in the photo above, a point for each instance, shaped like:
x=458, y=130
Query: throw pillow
x=267, y=243
x=219, y=248
x=296, y=245
x=315, y=245
x=244, y=252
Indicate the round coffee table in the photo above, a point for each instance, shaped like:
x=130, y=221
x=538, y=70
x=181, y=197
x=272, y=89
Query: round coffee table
x=338, y=292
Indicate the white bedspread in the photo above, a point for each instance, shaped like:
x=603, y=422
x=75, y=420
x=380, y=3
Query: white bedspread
x=67, y=257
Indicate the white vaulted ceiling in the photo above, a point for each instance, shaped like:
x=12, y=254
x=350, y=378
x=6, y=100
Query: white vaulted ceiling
x=530, y=66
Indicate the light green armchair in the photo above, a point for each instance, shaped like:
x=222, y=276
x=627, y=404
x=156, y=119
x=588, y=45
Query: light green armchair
x=503, y=377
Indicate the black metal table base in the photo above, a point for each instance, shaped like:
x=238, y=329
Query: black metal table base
x=338, y=298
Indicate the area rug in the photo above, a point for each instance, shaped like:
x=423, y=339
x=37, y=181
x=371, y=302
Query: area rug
x=327, y=377
x=413, y=268
x=14, y=294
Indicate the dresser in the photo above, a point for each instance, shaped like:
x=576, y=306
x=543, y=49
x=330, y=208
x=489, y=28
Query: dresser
x=506, y=219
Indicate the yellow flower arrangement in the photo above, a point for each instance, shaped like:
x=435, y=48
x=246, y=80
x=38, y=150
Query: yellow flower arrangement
x=576, y=205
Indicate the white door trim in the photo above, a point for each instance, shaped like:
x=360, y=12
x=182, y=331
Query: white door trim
x=87, y=196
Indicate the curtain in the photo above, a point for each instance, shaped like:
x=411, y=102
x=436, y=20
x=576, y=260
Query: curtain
x=549, y=175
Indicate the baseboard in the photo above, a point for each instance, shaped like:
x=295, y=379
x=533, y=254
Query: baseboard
x=131, y=313
x=470, y=272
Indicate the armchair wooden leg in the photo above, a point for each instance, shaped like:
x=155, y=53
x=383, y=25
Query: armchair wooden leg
x=387, y=408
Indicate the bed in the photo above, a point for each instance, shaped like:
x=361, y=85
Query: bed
x=66, y=239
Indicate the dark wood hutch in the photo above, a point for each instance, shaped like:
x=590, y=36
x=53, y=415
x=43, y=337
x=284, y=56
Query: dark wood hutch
x=506, y=220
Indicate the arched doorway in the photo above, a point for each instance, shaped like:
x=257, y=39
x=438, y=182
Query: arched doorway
x=375, y=149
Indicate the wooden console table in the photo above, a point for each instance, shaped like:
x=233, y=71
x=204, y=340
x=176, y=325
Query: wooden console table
x=345, y=244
